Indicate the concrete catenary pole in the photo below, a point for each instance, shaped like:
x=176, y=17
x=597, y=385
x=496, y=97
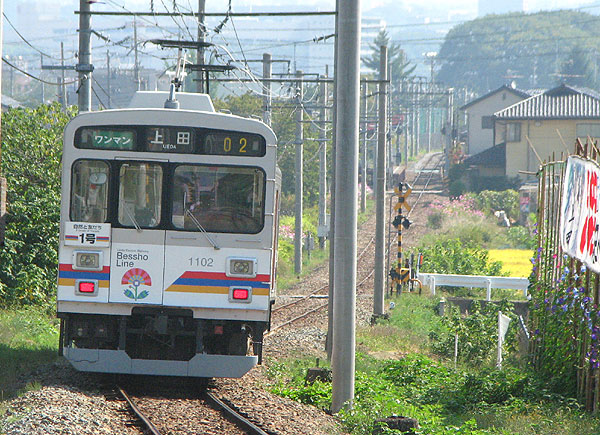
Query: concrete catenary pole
x=200, y=52
x=322, y=163
x=346, y=194
x=363, y=184
x=379, y=287
x=267, y=88
x=299, y=180
x=84, y=68
x=331, y=292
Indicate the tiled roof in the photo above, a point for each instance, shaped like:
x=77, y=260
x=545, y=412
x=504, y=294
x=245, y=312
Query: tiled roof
x=518, y=92
x=562, y=102
x=494, y=157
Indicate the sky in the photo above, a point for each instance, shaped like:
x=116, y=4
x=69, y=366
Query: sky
x=330, y=4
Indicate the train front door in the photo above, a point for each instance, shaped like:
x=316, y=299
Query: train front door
x=137, y=252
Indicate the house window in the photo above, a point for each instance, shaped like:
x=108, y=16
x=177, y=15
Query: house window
x=513, y=132
x=487, y=122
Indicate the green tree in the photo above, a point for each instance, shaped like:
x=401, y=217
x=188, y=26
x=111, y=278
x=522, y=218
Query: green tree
x=284, y=126
x=31, y=153
x=486, y=53
x=577, y=69
x=399, y=66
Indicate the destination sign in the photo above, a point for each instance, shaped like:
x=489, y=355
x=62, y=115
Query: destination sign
x=106, y=139
x=171, y=139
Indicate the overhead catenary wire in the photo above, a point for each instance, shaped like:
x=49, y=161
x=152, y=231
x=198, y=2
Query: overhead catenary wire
x=26, y=41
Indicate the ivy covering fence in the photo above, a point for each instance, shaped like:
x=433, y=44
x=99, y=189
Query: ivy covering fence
x=565, y=283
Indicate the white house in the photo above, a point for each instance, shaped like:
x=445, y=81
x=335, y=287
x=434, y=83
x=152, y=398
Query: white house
x=480, y=112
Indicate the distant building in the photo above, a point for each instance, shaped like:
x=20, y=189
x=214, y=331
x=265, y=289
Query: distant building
x=486, y=7
x=546, y=124
x=480, y=125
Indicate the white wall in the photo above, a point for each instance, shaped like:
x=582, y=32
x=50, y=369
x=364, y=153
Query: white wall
x=480, y=139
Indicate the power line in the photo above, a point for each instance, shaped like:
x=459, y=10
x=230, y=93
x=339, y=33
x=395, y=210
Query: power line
x=34, y=77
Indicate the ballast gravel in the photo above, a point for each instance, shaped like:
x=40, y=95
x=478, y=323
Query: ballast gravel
x=66, y=402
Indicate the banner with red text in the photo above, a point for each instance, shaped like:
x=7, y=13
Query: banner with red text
x=580, y=217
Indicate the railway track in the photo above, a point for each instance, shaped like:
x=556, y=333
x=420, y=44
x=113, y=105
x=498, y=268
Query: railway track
x=143, y=416
x=424, y=178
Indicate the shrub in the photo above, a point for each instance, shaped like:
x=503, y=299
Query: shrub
x=477, y=332
x=32, y=145
x=456, y=188
x=452, y=256
x=507, y=200
x=435, y=220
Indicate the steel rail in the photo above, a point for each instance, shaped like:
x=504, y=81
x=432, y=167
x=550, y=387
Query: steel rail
x=307, y=313
x=153, y=430
x=246, y=425
x=314, y=292
x=319, y=307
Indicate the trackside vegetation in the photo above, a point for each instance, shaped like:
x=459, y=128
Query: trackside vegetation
x=404, y=367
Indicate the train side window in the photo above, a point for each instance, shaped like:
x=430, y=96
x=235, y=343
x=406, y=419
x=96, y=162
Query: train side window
x=140, y=194
x=89, y=191
x=218, y=199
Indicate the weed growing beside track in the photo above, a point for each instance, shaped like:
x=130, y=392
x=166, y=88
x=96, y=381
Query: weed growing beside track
x=28, y=338
x=397, y=373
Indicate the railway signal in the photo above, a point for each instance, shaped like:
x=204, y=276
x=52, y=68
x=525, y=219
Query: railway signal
x=401, y=275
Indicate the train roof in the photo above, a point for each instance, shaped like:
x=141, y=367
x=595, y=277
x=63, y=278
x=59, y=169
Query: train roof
x=156, y=100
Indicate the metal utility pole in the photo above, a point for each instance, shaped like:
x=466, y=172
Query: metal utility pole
x=346, y=190
x=379, y=287
x=322, y=167
x=63, y=86
x=299, y=181
x=200, y=52
x=85, y=68
x=363, y=184
x=108, y=90
x=136, y=66
x=41, y=73
x=267, y=88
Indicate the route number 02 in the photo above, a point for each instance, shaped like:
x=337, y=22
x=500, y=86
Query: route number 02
x=227, y=145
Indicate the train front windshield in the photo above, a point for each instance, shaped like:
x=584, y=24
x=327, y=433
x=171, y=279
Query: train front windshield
x=218, y=199
x=224, y=199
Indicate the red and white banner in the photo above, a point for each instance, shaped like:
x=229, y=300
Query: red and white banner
x=580, y=217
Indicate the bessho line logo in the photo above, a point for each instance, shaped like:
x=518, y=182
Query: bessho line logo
x=133, y=279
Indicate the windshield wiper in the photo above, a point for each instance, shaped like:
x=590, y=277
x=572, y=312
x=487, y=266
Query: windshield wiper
x=130, y=216
x=201, y=228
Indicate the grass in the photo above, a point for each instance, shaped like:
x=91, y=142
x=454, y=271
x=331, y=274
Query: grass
x=515, y=262
x=397, y=374
x=28, y=339
x=286, y=277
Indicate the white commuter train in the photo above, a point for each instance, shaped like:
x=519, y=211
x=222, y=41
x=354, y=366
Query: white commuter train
x=168, y=239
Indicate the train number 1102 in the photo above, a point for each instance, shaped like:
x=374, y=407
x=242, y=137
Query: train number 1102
x=201, y=261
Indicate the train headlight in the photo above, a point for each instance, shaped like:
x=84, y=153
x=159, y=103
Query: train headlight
x=242, y=267
x=87, y=260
